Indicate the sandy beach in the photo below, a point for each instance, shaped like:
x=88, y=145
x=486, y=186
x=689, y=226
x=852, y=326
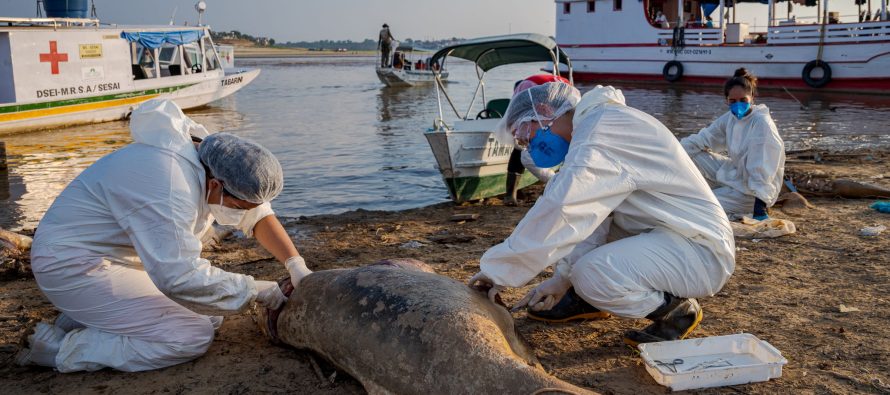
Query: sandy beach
x=278, y=52
x=787, y=291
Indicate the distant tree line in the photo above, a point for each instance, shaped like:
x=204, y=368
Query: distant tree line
x=348, y=45
x=367, y=44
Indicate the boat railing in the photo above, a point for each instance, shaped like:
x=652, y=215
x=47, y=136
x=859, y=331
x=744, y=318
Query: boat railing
x=54, y=22
x=834, y=33
x=696, y=36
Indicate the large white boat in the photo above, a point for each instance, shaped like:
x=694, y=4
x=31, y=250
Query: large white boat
x=66, y=71
x=472, y=162
x=623, y=40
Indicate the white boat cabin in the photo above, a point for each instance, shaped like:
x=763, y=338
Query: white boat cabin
x=52, y=59
x=628, y=23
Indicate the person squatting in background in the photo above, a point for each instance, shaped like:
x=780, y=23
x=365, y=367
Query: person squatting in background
x=748, y=179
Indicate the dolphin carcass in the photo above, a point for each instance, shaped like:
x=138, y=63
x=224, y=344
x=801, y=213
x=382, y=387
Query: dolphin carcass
x=399, y=328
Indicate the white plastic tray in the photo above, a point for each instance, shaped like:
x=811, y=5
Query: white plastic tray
x=712, y=361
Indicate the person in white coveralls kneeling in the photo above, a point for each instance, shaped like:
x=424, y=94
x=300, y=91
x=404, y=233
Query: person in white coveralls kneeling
x=119, y=250
x=621, y=168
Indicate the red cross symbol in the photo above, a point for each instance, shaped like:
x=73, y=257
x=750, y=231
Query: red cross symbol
x=54, y=57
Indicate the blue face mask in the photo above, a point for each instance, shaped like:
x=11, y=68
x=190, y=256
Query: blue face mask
x=547, y=149
x=739, y=109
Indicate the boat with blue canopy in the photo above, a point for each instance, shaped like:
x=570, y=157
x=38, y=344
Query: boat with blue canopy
x=68, y=71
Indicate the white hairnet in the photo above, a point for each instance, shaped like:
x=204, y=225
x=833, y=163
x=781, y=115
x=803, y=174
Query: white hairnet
x=246, y=169
x=539, y=103
x=598, y=96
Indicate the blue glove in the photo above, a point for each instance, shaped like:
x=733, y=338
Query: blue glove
x=881, y=206
x=760, y=213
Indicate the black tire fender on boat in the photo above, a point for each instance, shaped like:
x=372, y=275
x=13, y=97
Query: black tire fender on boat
x=672, y=65
x=808, y=70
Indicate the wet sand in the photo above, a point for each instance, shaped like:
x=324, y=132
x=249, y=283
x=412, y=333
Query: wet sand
x=786, y=291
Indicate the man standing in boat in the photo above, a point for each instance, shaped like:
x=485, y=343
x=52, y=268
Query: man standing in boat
x=384, y=45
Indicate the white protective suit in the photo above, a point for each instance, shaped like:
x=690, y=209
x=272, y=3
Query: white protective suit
x=756, y=162
x=543, y=174
x=622, y=162
x=119, y=252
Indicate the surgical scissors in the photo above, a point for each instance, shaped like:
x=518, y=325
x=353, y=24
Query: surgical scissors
x=672, y=365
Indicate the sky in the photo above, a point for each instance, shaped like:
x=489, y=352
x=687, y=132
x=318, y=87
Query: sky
x=302, y=20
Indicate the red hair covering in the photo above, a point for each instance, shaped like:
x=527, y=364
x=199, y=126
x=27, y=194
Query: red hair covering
x=542, y=79
x=538, y=79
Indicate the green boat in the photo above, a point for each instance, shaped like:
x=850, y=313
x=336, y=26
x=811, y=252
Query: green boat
x=472, y=162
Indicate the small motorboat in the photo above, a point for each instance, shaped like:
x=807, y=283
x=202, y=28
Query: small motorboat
x=404, y=71
x=472, y=162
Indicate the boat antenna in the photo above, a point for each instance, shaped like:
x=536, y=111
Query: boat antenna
x=172, y=17
x=40, y=8
x=200, y=6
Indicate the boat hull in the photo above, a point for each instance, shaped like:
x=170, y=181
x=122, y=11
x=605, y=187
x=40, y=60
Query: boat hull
x=473, y=164
x=859, y=68
x=407, y=78
x=468, y=189
x=99, y=108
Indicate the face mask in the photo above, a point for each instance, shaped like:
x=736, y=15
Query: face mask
x=547, y=149
x=226, y=215
x=739, y=109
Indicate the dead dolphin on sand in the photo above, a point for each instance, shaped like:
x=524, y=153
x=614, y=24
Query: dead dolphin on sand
x=14, y=250
x=399, y=328
x=815, y=184
x=13, y=243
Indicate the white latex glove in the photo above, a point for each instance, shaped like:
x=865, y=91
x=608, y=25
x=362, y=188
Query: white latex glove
x=269, y=295
x=546, y=295
x=484, y=280
x=296, y=267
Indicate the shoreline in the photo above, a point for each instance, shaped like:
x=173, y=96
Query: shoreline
x=267, y=52
x=786, y=291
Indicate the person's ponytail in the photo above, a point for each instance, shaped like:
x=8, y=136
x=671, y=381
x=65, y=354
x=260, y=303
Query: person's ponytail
x=743, y=78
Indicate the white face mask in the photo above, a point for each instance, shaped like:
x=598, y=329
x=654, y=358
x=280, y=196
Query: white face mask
x=226, y=215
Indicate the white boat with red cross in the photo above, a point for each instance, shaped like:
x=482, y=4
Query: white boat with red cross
x=67, y=71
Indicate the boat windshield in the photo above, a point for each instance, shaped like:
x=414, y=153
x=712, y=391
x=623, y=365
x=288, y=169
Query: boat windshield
x=143, y=61
x=165, y=54
x=169, y=60
x=194, y=58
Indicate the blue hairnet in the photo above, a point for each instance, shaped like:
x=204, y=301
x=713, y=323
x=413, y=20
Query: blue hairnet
x=246, y=169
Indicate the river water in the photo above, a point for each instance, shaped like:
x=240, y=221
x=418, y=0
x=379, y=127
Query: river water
x=346, y=142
